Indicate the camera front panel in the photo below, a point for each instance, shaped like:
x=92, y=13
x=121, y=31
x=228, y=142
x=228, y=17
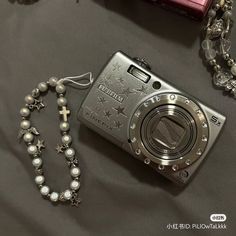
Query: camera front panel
x=146, y=116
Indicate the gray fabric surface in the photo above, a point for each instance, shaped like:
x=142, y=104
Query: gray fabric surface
x=120, y=195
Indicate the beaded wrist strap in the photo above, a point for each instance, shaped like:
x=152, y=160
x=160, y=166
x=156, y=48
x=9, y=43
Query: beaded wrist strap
x=28, y=133
x=216, y=45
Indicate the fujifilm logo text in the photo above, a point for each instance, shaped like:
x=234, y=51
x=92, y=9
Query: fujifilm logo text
x=110, y=93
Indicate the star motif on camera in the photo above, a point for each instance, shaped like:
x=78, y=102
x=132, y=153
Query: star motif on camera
x=121, y=80
x=143, y=89
x=127, y=92
x=40, y=145
x=116, y=66
x=118, y=124
x=107, y=114
x=101, y=100
x=120, y=110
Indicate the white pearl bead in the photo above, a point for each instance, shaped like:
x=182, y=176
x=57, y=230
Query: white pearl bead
x=24, y=112
x=64, y=126
x=44, y=190
x=43, y=87
x=32, y=149
x=54, y=196
x=70, y=152
x=25, y=124
x=61, y=101
x=53, y=81
x=75, y=172
x=66, y=139
x=28, y=137
x=29, y=99
x=233, y=69
x=39, y=179
x=60, y=88
x=75, y=185
x=37, y=162
x=67, y=195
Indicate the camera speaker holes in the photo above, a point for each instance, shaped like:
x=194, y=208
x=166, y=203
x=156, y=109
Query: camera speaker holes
x=156, y=85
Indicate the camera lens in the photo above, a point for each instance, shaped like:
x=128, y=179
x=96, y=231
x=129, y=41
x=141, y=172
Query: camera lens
x=168, y=132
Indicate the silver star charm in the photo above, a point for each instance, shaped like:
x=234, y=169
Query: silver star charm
x=40, y=145
x=38, y=104
x=120, y=110
x=60, y=148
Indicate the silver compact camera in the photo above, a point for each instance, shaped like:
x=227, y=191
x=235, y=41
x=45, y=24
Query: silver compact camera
x=148, y=117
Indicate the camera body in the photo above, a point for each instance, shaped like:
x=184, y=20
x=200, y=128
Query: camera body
x=148, y=117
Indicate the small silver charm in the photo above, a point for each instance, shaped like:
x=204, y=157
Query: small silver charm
x=40, y=145
x=64, y=112
x=31, y=130
x=38, y=104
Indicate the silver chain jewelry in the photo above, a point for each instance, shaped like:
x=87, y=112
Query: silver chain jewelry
x=216, y=45
x=28, y=133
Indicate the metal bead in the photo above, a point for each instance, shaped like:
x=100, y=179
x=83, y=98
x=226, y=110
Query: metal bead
x=70, y=152
x=24, y=112
x=43, y=87
x=226, y=56
x=227, y=15
x=28, y=137
x=216, y=6
x=37, y=162
x=207, y=44
x=53, y=81
x=210, y=54
x=29, y=99
x=212, y=62
x=66, y=139
x=62, y=101
x=233, y=69
x=64, y=126
x=39, y=179
x=75, y=172
x=44, y=190
x=35, y=93
x=211, y=13
x=67, y=195
x=25, y=124
x=60, y=88
x=217, y=68
x=54, y=196
x=230, y=62
x=32, y=149
x=75, y=185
